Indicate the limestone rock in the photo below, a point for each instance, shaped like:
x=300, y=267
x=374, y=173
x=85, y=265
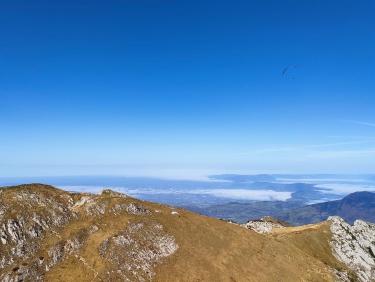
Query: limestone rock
x=354, y=245
x=264, y=225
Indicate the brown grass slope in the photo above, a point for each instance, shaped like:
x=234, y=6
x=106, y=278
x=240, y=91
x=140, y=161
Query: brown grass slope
x=52, y=235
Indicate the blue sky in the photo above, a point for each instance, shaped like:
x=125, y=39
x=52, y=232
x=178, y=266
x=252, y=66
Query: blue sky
x=182, y=88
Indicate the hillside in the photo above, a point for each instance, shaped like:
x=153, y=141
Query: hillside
x=358, y=205
x=48, y=234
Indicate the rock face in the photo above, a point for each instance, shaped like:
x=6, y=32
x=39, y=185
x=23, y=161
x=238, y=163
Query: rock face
x=42, y=227
x=26, y=217
x=354, y=245
x=135, y=251
x=264, y=225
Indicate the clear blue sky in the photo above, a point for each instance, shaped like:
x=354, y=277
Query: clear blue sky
x=148, y=87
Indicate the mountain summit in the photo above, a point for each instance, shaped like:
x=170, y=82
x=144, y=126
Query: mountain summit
x=47, y=234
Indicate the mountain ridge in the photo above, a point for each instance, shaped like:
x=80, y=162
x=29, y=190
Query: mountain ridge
x=357, y=205
x=48, y=234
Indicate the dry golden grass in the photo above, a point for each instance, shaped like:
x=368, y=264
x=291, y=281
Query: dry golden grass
x=209, y=249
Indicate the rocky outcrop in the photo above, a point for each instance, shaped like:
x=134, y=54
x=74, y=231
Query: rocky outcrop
x=264, y=225
x=354, y=245
x=135, y=209
x=111, y=193
x=19, y=227
x=32, y=214
x=134, y=251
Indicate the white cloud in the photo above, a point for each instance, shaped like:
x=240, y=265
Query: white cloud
x=362, y=123
x=344, y=189
x=317, y=180
x=236, y=194
x=342, y=154
x=82, y=188
x=245, y=194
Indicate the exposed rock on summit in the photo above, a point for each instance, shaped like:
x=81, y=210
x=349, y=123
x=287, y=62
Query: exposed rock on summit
x=134, y=251
x=42, y=227
x=264, y=225
x=354, y=245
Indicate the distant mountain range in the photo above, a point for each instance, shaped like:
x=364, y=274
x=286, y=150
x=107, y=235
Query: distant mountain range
x=242, y=212
x=358, y=205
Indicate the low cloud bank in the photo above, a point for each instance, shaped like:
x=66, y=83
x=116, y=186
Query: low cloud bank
x=236, y=194
x=344, y=189
x=245, y=194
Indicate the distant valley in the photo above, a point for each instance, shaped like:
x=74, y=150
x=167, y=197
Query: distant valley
x=297, y=199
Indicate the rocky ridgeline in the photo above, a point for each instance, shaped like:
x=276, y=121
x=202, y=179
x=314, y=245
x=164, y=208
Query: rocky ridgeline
x=34, y=219
x=354, y=245
x=26, y=217
x=264, y=225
